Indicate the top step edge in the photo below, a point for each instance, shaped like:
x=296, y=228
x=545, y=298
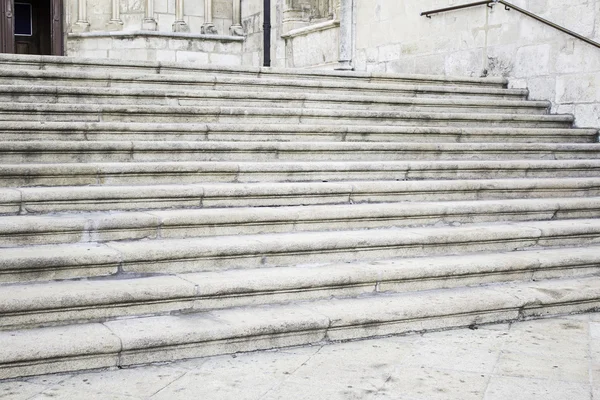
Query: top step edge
x=161, y=66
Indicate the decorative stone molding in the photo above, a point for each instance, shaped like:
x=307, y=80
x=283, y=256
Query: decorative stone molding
x=166, y=47
x=158, y=34
x=236, y=28
x=115, y=23
x=82, y=24
x=149, y=23
x=300, y=14
x=208, y=28
x=311, y=29
x=179, y=25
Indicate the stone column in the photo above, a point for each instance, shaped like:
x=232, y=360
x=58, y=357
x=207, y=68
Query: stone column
x=115, y=23
x=82, y=24
x=179, y=25
x=345, y=56
x=149, y=23
x=236, y=28
x=208, y=27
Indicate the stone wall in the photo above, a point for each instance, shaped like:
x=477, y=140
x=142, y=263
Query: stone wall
x=252, y=22
x=132, y=13
x=314, y=46
x=131, y=37
x=306, y=33
x=388, y=36
x=392, y=37
x=157, y=46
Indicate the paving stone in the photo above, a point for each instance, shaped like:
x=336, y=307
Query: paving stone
x=70, y=394
x=502, y=388
x=550, y=338
x=124, y=382
x=595, y=330
x=247, y=376
x=427, y=383
x=414, y=367
x=20, y=390
x=306, y=391
x=539, y=367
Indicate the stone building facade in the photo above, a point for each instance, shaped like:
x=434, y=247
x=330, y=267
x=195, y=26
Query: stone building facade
x=364, y=35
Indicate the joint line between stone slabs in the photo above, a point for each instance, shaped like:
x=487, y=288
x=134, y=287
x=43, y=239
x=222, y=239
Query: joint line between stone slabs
x=197, y=292
x=22, y=210
x=169, y=384
x=118, y=360
x=292, y=373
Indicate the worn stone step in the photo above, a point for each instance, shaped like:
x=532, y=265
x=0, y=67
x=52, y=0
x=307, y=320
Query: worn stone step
x=154, y=225
x=106, y=198
x=271, y=99
x=124, y=151
x=165, y=338
x=144, y=173
x=50, y=63
x=117, y=131
x=169, y=256
x=30, y=305
x=236, y=83
x=187, y=114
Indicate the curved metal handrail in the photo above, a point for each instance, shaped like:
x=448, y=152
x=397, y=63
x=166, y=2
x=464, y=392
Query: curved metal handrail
x=509, y=6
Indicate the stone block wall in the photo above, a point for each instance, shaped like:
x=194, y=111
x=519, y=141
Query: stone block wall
x=132, y=38
x=132, y=13
x=154, y=46
x=391, y=36
x=314, y=46
x=304, y=41
x=252, y=22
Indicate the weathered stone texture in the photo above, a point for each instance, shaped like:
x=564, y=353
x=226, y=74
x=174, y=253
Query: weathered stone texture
x=388, y=36
x=141, y=46
x=493, y=42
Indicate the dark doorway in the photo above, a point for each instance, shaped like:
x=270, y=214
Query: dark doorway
x=31, y=27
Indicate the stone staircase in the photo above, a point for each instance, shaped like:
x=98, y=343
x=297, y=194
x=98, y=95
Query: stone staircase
x=155, y=212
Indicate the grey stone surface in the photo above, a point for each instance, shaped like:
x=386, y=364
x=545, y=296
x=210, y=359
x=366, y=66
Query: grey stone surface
x=449, y=365
x=178, y=212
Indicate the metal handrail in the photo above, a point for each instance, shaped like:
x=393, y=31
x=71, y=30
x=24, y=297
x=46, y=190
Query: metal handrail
x=508, y=6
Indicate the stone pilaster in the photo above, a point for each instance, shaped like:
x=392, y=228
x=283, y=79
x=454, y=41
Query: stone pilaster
x=115, y=23
x=149, y=23
x=236, y=28
x=82, y=24
x=208, y=27
x=346, y=18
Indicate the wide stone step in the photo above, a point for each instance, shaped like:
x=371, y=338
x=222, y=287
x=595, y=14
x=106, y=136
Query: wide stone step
x=144, y=173
x=124, y=151
x=75, y=64
x=106, y=198
x=165, y=338
x=155, y=225
x=30, y=305
x=118, y=131
x=119, y=113
x=169, y=256
x=271, y=99
x=215, y=82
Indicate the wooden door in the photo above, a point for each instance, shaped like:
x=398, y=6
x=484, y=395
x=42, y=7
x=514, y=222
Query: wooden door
x=7, y=27
x=56, y=28
x=31, y=27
